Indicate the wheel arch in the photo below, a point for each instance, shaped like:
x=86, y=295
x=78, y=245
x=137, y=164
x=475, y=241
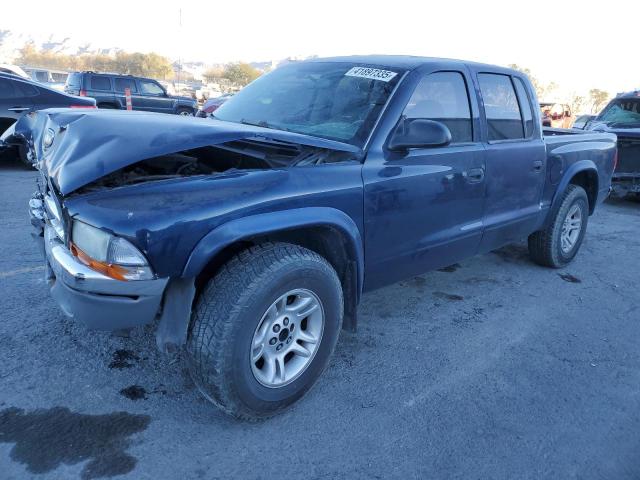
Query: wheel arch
x=325, y=230
x=584, y=174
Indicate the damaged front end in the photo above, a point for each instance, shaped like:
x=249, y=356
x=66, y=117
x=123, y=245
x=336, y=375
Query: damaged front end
x=100, y=277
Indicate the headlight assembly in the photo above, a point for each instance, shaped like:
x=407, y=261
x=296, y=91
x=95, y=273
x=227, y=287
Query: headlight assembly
x=112, y=256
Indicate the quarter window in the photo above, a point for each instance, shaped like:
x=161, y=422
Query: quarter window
x=504, y=120
x=122, y=83
x=100, y=83
x=443, y=97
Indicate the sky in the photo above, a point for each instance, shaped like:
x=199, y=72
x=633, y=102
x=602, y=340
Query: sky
x=578, y=45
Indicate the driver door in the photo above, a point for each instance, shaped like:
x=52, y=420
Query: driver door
x=423, y=207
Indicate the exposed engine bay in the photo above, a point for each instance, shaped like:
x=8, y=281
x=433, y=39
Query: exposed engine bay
x=236, y=155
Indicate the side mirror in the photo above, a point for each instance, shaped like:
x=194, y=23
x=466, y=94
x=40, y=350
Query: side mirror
x=419, y=133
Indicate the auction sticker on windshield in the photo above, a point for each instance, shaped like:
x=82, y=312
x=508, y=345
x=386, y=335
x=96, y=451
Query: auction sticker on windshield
x=371, y=73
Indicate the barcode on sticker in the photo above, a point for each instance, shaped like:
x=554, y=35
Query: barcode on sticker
x=371, y=73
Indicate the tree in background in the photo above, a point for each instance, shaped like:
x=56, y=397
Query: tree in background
x=142, y=64
x=542, y=90
x=213, y=74
x=577, y=104
x=598, y=99
x=241, y=73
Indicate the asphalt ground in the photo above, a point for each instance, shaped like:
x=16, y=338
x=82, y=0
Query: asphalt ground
x=491, y=368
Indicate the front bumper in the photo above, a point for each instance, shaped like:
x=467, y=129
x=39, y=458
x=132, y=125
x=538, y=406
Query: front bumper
x=95, y=300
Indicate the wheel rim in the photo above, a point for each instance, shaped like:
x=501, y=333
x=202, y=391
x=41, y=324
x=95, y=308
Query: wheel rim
x=571, y=228
x=185, y=113
x=287, y=338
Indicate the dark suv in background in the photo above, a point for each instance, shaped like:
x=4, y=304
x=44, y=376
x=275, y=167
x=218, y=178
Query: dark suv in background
x=146, y=94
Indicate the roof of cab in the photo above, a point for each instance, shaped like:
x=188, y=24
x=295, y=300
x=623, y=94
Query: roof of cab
x=409, y=62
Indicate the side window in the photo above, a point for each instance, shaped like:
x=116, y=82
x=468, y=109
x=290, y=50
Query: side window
x=442, y=96
x=100, y=83
x=150, y=88
x=501, y=107
x=525, y=106
x=27, y=90
x=6, y=89
x=122, y=83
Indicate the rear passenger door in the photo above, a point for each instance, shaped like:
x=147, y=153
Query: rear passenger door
x=516, y=157
x=122, y=83
x=14, y=102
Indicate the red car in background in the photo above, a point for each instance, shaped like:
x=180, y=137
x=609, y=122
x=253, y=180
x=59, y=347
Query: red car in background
x=212, y=105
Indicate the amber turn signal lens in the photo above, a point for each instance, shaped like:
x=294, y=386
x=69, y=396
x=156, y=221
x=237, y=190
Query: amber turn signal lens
x=110, y=270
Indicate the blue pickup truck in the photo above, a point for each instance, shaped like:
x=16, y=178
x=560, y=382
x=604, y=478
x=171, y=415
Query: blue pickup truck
x=249, y=239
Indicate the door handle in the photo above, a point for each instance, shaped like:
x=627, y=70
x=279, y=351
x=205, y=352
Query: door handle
x=537, y=166
x=474, y=175
x=18, y=109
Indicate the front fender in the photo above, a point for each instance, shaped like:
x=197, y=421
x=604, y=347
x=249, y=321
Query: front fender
x=242, y=228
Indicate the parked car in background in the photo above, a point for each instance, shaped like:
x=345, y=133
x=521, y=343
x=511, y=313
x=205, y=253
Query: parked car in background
x=556, y=115
x=52, y=78
x=212, y=105
x=622, y=117
x=252, y=236
x=19, y=96
x=581, y=121
x=147, y=94
x=13, y=69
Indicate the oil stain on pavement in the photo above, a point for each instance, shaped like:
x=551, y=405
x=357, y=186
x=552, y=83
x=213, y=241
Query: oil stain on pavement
x=567, y=277
x=44, y=439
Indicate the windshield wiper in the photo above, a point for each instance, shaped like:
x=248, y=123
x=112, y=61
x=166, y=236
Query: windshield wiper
x=263, y=124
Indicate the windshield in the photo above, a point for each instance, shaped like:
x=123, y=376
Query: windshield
x=337, y=101
x=624, y=111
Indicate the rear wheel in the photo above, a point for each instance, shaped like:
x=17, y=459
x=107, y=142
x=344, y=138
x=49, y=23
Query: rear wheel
x=185, y=112
x=559, y=243
x=264, y=329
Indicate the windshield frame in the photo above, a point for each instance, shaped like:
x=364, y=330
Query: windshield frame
x=365, y=142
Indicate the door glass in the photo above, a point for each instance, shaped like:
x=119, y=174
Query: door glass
x=6, y=89
x=442, y=96
x=122, y=83
x=501, y=107
x=151, y=88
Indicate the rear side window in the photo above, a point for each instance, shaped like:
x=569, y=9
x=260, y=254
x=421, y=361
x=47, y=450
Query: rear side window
x=27, y=90
x=501, y=107
x=442, y=96
x=525, y=106
x=100, y=83
x=122, y=83
x=7, y=89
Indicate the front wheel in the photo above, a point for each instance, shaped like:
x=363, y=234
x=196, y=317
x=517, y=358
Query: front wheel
x=559, y=243
x=264, y=329
x=185, y=112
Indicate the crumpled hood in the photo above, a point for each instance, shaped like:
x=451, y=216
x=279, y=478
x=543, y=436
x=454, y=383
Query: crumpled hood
x=88, y=145
x=600, y=126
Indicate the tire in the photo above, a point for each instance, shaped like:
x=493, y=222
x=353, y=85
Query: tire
x=185, y=112
x=22, y=154
x=107, y=106
x=546, y=246
x=242, y=297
